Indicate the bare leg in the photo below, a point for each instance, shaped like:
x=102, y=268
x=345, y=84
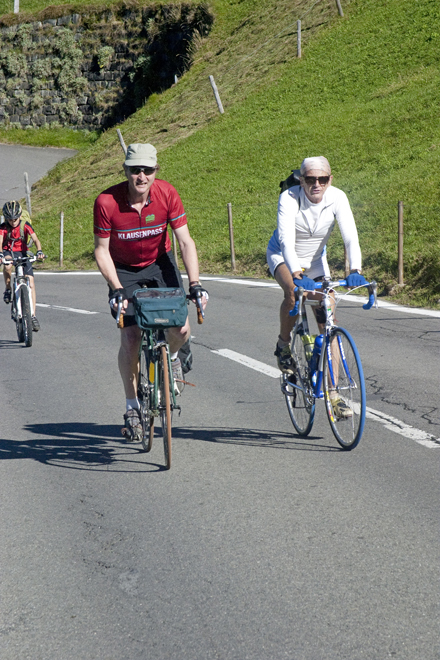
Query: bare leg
x=176, y=337
x=128, y=359
x=7, y=270
x=284, y=278
x=33, y=293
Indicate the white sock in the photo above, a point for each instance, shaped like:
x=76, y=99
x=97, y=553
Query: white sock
x=131, y=403
x=282, y=343
x=173, y=356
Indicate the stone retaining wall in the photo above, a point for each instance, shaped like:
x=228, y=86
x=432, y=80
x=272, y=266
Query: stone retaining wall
x=92, y=70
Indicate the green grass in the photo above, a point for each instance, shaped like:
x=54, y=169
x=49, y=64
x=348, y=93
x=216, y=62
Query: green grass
x=49, y=137
x=365, y=94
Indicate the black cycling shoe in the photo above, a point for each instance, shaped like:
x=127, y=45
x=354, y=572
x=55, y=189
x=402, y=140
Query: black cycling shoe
x=35, y=324
x=285, y=359
x=7, y=296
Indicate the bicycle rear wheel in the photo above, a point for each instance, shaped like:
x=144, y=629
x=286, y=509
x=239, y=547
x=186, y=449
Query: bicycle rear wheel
x=165, y=404
x=144, y=397
x=344, y=377
x=26, y=316
x=300, y=402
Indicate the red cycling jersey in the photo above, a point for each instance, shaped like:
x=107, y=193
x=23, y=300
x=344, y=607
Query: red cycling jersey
x=9, y=234
x=138, y=240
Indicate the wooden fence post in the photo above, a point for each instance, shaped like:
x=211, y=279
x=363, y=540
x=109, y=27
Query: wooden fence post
x=27, y=192
x=298, y=39
x=121, y=140
x=61, y=239
x=231, y=236
x=400, y=243
x=338, y=4
x=216, y=94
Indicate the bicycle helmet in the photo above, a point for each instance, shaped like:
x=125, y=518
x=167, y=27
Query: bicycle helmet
x=12, y=210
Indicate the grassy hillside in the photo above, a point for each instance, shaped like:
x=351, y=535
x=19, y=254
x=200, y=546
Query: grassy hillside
x=365, y=94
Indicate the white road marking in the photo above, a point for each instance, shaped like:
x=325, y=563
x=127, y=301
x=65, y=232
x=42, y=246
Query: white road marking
x=390, y=423
x=395, y=425
x=249, y=362
x=67, y=309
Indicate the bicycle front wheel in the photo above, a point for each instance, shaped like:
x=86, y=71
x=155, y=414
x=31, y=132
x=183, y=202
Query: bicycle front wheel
x=144, y=397
x=300, y=402
x=18, y=321
x=26, y=316
x=344, y=382
x=165, y=404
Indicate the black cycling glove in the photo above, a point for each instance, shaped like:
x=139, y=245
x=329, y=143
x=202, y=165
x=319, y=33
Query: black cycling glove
x=196, y=290
x=113, y=296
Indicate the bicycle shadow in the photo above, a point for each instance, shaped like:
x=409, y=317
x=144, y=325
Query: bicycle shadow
x=270, y=439
x=10, y=343
x=79, y=446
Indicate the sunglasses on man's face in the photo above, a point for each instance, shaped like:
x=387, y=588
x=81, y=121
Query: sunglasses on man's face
x=146, y=170
x=322, y=180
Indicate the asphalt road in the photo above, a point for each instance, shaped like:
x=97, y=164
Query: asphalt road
x=257, y=544
x=15, y=160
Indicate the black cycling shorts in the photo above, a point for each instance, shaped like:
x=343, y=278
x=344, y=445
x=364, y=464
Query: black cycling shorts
x=27, y=267
x=162, y=273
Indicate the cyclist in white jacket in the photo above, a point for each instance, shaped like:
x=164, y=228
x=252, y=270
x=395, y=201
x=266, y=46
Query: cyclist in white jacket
x=296, y=253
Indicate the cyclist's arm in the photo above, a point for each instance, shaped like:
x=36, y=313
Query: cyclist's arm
x=36, y=241
x=347, y=226
x=287, y=211
x=189, y=253
x=105, y=262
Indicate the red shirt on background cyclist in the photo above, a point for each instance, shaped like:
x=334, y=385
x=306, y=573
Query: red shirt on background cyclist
x=296, y=253
x=132, y=246
x=12, y=229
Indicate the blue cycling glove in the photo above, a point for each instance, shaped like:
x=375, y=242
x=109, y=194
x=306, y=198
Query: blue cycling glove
x=305, y=282
x=355, y=279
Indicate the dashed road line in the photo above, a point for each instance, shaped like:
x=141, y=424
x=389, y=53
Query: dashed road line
x=67, y=309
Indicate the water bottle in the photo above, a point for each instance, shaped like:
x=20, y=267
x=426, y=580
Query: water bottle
x=316, y=353
x=308, y=341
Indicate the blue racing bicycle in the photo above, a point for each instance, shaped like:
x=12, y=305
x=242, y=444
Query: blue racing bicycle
x=327, y=367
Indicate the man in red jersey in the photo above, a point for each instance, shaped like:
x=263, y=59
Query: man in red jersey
x=132, y=246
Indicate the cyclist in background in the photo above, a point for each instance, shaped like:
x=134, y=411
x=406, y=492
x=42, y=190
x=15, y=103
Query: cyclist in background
x=296, y=253
x=17, y=225
x=132, y=246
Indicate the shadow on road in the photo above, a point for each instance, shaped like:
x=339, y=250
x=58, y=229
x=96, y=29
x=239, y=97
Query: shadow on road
x=254, y=438
x=8, y=343
x=78, y=446
x=85, y=446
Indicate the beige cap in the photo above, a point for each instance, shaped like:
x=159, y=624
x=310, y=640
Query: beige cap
x=141, y=155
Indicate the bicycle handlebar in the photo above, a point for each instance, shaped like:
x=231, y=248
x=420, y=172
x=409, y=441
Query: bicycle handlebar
x=120, y=316
x=372, y=293
x=200, y=312
x=19, y=260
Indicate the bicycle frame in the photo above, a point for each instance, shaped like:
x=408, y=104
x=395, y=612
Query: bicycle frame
x=19, y=279
x=299, y=310
x=154, y=340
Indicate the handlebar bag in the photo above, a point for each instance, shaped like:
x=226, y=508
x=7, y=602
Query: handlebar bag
x=163, y=308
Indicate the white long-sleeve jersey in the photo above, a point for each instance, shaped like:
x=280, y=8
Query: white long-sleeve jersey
x=303, y=229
